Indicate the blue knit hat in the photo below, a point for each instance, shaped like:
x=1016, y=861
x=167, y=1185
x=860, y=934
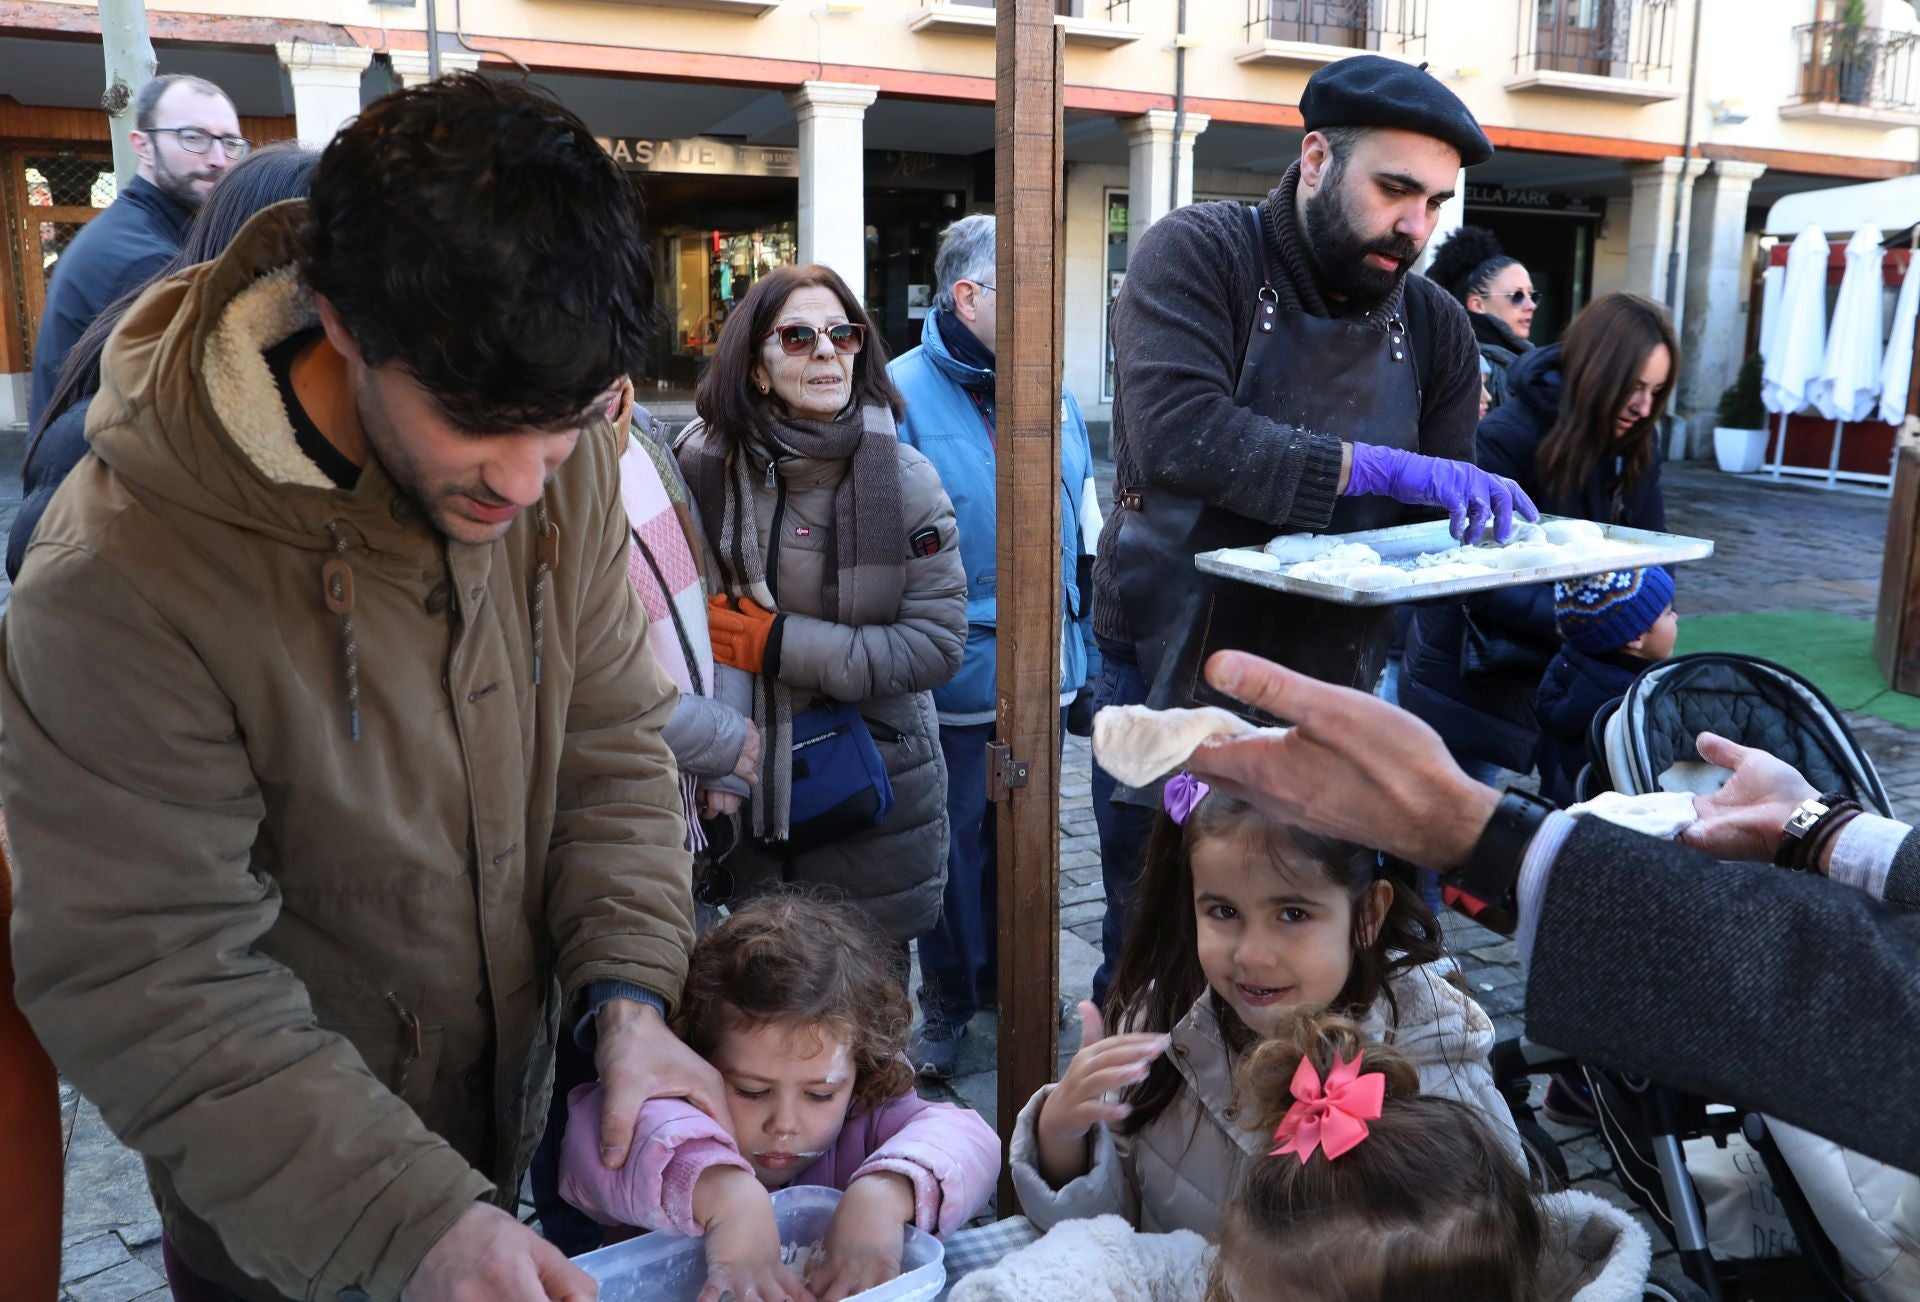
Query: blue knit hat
x=1604, y=612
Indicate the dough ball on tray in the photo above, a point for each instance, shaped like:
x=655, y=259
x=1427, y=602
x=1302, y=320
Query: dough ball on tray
x=1572, y=532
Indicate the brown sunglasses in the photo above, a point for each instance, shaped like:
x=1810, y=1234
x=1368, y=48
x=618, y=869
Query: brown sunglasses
x=798, y=340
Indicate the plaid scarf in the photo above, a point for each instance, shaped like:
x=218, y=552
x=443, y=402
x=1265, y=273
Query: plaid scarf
x=664, y=567
x=866, y=576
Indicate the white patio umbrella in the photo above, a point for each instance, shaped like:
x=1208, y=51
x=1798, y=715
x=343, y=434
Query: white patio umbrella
x=1772, y=282
x=1896, y=372
x=1848, y=387
x=1800, y=340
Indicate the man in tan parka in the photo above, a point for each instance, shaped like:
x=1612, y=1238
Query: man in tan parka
x=329, y=744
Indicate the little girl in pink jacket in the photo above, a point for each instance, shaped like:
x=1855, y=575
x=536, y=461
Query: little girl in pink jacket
x=797, y=1003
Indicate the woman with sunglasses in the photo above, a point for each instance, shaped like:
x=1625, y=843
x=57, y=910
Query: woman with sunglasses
x=839, y=587
x=1578, y=434
x=1499, y=297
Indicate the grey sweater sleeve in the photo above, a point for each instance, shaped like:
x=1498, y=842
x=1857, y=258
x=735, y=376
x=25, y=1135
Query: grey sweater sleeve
x=1105, y=1189
x=1718, y=977
x=1177, y=335
x=705, y=736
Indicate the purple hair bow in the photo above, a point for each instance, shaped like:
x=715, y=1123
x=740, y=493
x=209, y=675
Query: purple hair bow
x=1182, y=795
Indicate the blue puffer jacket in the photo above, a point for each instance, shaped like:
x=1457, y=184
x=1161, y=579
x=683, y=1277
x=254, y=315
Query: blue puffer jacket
x=950, y=420
x=1576, y=687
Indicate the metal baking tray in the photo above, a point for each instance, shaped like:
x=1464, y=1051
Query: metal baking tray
x=1406, y=541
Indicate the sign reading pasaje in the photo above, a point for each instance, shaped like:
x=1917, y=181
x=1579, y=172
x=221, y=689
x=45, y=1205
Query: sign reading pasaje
x=701, y=154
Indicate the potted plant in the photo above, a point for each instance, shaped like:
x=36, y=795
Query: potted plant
x=1853, y=54
x=1740, y=434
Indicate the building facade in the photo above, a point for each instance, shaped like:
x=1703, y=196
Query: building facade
x=766, y=132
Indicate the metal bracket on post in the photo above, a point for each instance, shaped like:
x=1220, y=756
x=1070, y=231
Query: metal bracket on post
x=1005, y=774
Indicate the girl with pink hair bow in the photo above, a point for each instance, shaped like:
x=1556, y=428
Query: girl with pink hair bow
x=1240, y=922
x=1361, y=1188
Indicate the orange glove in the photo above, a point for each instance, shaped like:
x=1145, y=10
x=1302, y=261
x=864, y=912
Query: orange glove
x=740, y=636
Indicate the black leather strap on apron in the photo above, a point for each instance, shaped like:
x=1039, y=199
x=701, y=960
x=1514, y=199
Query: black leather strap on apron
x=1344, y=378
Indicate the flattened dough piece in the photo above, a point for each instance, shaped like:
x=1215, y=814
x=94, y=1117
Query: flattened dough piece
x=1662, y=814
x=1140, y=746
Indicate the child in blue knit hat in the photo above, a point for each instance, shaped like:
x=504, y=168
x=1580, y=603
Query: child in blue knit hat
x=1612, y=626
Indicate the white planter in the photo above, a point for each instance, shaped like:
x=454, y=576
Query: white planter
x=1739, y=451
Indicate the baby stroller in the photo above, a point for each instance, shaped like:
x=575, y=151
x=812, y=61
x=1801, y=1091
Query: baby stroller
x=1645, y=743
x=1646, y=738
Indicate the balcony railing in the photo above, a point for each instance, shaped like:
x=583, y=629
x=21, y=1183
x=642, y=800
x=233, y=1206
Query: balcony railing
x=1632, y=40
x=1857, y=66
x=1103, y=24
x=1391, y=26
x=1114, y=11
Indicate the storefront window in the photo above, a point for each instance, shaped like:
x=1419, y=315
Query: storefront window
x=721, y=215
x=704, y=275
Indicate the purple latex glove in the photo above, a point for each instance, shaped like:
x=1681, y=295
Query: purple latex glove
x=1472, y=496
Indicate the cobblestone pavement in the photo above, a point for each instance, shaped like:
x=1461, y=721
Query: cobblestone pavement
x=1779, y=547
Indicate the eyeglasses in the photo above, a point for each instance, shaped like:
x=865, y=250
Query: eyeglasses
x=984, y=285
x=798, y=340
x=1520, y=296
x=196, y=141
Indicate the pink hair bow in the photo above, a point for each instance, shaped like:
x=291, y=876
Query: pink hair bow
x=1333, y=1117
x=1182, y=795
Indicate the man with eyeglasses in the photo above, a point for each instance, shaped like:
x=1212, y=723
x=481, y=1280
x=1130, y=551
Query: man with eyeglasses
x=185, y=135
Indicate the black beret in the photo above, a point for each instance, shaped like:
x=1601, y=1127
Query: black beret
x=1371, y=90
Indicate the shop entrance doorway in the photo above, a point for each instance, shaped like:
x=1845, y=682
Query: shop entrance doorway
x=903, y=235
x=1557, y=250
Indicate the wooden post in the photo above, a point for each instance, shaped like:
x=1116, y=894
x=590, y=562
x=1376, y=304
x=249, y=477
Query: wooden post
x=130, y=65
x=1024, y=769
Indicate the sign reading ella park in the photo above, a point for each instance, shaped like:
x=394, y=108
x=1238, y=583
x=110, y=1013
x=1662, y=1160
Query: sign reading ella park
x=701, y=154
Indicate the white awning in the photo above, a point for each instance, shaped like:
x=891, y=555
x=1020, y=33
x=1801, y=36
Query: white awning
x=1891, y=205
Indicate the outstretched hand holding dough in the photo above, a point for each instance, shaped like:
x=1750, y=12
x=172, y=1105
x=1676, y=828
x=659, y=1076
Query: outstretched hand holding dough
x=1140, y=746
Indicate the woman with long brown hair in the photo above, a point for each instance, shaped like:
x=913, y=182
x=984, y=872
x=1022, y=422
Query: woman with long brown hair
x=1578, y=433
x=839, y=587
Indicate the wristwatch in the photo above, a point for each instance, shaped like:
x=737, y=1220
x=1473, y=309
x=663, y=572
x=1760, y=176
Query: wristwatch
x=1485, y=886
x=1805, y=829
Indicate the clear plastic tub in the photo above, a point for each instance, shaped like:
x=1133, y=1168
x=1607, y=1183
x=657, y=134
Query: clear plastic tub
x=673, y=1268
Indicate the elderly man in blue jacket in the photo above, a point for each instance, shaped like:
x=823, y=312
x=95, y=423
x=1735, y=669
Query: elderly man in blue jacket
x=948, y=384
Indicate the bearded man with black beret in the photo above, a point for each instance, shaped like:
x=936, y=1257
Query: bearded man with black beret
x=1277, y=371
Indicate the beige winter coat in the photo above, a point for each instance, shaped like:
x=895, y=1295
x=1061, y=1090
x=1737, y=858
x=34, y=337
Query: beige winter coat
x=1182, y=1168
x=896, y=871
x=313, y=980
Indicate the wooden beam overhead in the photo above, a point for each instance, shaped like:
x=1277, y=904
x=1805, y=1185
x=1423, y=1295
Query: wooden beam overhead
x=1024, y=771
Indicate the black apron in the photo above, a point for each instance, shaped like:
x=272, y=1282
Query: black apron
x=1335, y=377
